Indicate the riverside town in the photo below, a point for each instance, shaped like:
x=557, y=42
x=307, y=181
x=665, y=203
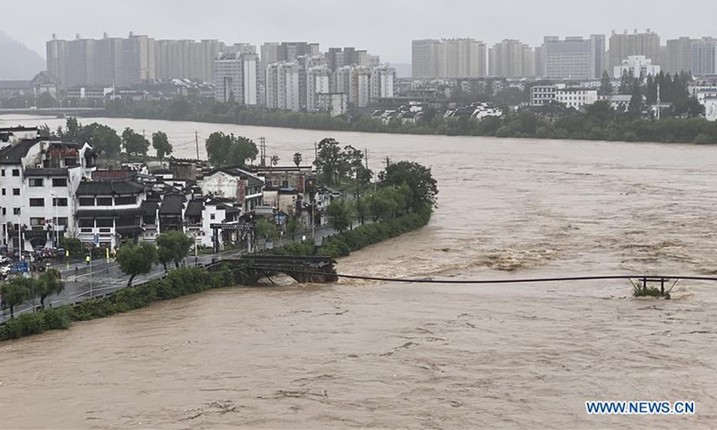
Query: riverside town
x=65, y=207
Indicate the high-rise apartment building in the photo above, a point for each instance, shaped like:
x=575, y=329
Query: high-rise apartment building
x=627, y=44
x=133, y=60
x=382, y=82
x=355, y=81
x=511, y=59
x=677, y=55
x=704, y=57
x=573, y=57
x=448, y=58
x=235, y=77
x=282, y=86
x=318, y=81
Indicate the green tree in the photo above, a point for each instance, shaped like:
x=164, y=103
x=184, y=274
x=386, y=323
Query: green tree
x=134, y=143
x=340, y=214
x=72, y=128
x=49, y=283
x=161, y=144
x=637, y=103
x=293, y=226
x=274, y=160
x=15, y=291
x=173, y=246
x=328, y=160
x=266, y=229
x=419, y=180
x=136, y=259
x=226, y=150
x=297, y=158
x=103, y=139
x=46, y=101
x=605, y=84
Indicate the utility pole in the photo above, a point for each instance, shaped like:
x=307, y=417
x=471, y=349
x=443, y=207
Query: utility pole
x=365, y=151
x=196, y=142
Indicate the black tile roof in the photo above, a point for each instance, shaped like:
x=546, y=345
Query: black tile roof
x=194, y=208
x=149, y=207
x=94, y=188
x=14, y=154
x=171, y=205
x=45, y=172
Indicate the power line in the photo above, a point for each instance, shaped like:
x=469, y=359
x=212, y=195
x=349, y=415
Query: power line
x=501, y=281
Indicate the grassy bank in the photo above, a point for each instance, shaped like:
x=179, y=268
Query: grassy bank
x=177, y=283
x=341, y=244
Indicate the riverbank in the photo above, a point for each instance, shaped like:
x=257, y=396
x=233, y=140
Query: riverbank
x=598, y=122
x=190, y=280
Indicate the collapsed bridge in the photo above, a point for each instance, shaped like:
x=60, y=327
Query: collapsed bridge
x=249, y=268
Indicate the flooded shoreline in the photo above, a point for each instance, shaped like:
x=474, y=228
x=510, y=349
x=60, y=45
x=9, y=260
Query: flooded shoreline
x=394, y=355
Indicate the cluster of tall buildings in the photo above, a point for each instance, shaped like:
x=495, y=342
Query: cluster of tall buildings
x=556, y=58
x=287, y=75
x=129, y=61
x=296, y=76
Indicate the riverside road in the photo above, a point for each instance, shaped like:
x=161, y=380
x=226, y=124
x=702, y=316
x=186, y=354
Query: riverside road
x=83, y=281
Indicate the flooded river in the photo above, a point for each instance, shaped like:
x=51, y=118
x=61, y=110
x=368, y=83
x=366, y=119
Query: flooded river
x=388, y=355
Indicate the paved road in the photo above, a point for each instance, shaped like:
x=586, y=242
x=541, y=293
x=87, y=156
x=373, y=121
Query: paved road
x=83, y=281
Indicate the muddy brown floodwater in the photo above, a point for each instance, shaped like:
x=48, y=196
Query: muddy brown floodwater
x=390, y=355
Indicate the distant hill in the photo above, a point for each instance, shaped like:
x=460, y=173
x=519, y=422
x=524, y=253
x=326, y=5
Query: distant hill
x=17, y=62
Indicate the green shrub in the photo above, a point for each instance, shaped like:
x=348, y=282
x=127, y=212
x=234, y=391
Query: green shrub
x=26, y=324
x=56, y=318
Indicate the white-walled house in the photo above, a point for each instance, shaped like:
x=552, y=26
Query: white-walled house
x=234, y=183
x=39, y=178
x=109, y=212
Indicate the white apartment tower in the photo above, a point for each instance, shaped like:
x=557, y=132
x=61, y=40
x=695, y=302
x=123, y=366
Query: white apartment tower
x=382, y=82
x=235, y=79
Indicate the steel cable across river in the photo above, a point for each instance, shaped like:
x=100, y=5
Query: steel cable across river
x=373, y=354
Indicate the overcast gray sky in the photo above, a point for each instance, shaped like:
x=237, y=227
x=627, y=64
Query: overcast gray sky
x=384, y=27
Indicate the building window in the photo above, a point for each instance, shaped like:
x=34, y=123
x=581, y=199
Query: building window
x=3, y=172
x=37, y=202
x=59, y=201
x=105, y=222
x=87, y=201
x=104, y=201
x=16, y=211
x=59, y=182
x=16, y=191
x=4, y=211
x=16, y=172
x=36, y=222
x=211, y=216
x=86, y=222
x=3, y=191
x=35, y=182
x=62, y=221
x=125, y=200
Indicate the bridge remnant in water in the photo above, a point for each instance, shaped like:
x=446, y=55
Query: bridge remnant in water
x=249, y=268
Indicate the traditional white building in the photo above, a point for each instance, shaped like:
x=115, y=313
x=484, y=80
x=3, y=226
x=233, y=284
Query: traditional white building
x=234, y=183
x=39, y=180
x=576, y=97
x=109, y=212
x=638, y=65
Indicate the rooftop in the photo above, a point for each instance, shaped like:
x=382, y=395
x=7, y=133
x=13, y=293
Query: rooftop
x=109, y=187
